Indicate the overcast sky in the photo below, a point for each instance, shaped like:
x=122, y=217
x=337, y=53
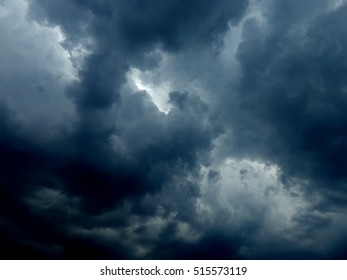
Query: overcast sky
x=178, y=129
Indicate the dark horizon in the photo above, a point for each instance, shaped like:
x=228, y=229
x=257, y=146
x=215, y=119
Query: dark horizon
x=179, y=129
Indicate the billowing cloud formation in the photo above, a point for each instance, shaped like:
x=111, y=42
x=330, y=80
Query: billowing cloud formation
x=27, y=52
x=173, y=129
x=293, y=83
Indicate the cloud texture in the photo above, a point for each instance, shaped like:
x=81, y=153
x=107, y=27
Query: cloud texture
x=173, y=129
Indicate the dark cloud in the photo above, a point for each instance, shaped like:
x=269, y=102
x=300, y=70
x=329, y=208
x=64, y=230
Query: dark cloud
x=70, y=175
x=293, y=87
x=247, y=163
x=173, y=23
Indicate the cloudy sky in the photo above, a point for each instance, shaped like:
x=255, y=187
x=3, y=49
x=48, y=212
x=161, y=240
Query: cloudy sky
x=178, y=129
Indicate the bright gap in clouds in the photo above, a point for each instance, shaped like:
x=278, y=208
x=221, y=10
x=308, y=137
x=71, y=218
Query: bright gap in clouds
x=158, y=92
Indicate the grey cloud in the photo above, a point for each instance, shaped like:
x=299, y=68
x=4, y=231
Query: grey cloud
x=26, y=73
x=293, y=86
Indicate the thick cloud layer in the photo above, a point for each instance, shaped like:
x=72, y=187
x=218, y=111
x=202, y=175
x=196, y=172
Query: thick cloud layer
x=172, y=129
x=293, y=83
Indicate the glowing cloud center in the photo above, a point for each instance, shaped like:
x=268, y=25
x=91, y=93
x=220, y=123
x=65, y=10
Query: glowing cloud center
x=158, y=92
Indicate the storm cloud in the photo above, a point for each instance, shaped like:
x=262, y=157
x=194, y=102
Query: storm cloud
x=173, y=129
